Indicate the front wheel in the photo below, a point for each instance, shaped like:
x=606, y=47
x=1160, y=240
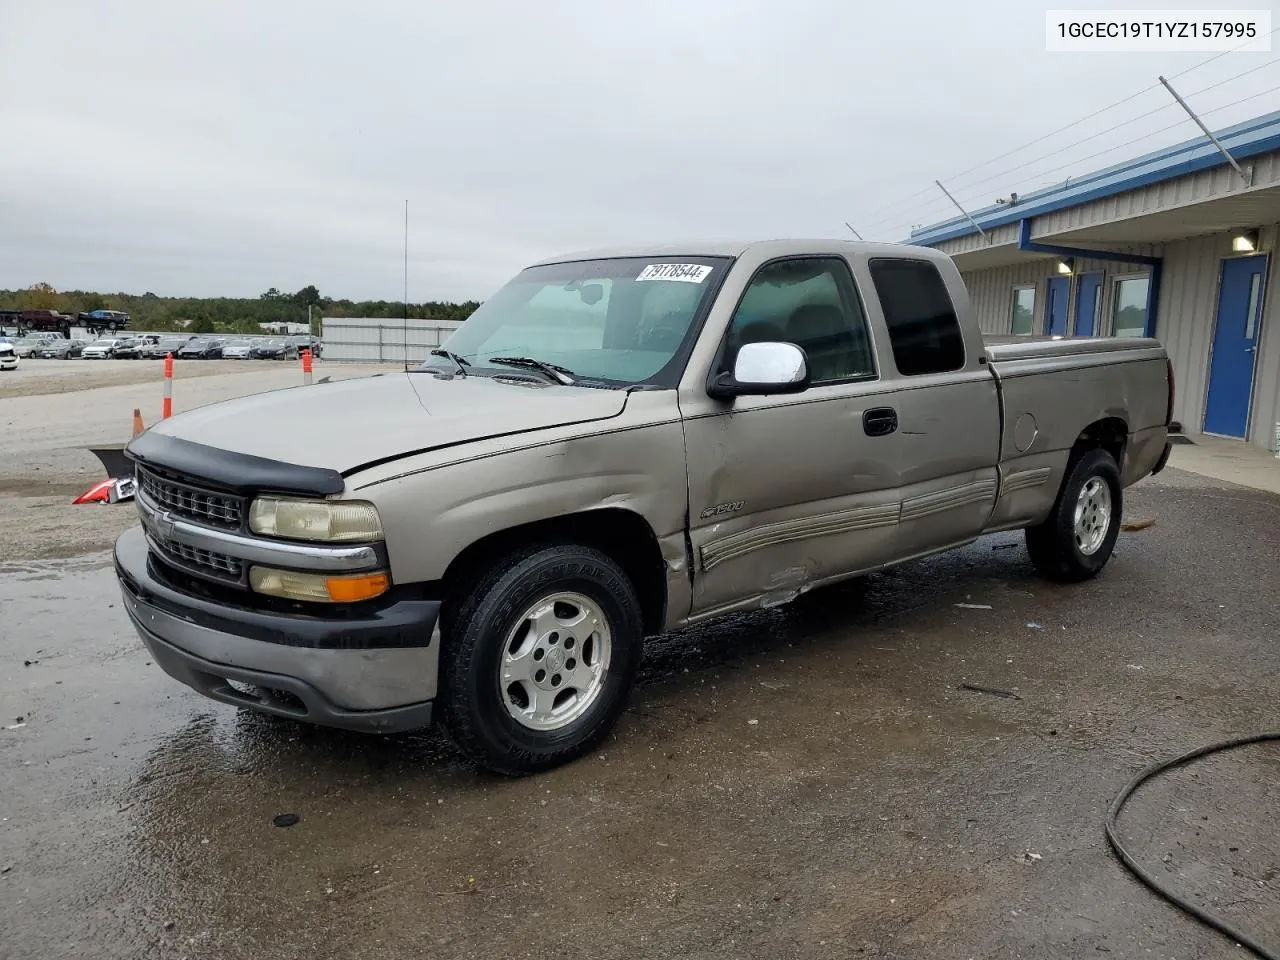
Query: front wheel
x=539, y=658
x=1077, y=539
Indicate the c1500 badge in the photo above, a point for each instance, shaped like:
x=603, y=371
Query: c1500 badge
x=721, y=509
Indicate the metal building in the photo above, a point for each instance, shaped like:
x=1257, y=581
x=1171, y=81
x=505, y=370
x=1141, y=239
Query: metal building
x=379, y=340
x=1176, y=244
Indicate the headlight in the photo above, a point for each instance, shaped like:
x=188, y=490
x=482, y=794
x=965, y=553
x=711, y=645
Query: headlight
x=317, y=587
x=334, y=521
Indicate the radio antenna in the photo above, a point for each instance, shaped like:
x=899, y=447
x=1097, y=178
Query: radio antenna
x=406, y=286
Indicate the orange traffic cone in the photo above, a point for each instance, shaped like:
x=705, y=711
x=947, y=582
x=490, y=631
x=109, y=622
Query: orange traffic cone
x=137, y=422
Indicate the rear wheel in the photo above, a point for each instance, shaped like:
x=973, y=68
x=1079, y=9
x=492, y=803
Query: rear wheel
x=539, y=658
x=1076, y=540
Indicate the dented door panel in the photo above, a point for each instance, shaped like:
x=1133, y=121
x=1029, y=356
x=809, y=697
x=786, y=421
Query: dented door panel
x=950, y=427
x=788, y=491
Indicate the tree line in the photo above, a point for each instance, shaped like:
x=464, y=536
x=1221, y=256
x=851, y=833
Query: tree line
x=225, y=314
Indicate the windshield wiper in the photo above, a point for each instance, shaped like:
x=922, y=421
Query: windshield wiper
x=458, y=361
x=559, y=374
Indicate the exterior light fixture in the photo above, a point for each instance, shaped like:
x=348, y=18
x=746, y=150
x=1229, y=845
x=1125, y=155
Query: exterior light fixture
x=1246, y=241
x=1065, y=266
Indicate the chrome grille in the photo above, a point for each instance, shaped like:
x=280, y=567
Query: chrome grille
x=191, y=501
x=204, y=562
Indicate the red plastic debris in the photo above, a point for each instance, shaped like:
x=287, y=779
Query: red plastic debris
x=98, y=493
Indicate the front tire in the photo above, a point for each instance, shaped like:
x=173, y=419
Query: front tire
x=539, y=658
x=1076, y=540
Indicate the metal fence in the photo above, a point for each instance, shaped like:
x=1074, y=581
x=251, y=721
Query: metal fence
x=378, y=340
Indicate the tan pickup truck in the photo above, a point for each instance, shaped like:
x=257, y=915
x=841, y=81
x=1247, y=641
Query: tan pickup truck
x=616, y=444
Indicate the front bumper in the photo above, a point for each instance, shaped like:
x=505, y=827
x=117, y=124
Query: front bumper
x=375, y=673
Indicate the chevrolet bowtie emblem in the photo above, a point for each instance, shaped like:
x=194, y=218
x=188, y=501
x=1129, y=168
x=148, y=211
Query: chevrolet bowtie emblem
x=165, y=525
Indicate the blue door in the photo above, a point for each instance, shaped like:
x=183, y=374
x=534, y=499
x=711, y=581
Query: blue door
x=1055, y=306
x=1088, y=303
x=1235, y=346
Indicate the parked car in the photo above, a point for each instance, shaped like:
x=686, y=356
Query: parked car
x=109, y=320
x=103, y=349
x=274, y=349
x=237, y=350
x=24, y=346
x=807, y=412
x=165, y=346
x=43, y=321
x=59, y=349
x=131, y=347
x=305, y=341
x=200, y=348
x=8, y=355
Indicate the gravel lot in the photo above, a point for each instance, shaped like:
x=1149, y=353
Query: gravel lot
x=804, y=782
x=52, y=411
x=39, y=377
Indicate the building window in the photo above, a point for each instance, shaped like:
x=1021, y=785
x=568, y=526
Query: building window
x=1129, y=312
x=1023, y=320
x=923, y=327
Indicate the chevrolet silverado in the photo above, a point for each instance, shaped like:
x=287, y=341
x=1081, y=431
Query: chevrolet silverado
x=616, y=444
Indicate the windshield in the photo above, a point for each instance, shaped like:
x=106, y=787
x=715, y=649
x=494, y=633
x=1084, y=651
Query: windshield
x=624, y=321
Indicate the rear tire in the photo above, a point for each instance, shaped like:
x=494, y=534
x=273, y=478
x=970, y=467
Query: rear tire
x=1076, y=540
x=539, y=658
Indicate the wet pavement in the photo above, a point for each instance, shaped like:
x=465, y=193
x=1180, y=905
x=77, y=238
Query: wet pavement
x=808, y=781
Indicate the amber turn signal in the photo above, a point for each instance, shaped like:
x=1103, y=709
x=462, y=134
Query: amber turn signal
x=317, y=587
x=353, y=589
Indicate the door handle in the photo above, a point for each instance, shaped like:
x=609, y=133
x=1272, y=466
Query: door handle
x=880, y=421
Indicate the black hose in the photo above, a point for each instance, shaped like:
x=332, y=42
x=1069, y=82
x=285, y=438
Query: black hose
x=1222, y=926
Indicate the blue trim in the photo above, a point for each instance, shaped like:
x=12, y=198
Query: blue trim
x=1248, y=139
x=1155, y=263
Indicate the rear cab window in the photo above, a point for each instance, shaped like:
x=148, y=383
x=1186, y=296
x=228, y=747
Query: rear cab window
x=924, y=329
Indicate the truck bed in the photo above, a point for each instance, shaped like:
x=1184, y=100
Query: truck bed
x=1049, y=387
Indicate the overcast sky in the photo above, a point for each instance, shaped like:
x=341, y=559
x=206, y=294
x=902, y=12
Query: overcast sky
x=221, y=148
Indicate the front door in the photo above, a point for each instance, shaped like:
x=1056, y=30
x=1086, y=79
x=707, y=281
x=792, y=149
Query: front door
x=1088, y=304
x=788, y=490
x=1235, y=346
x=1055, y=306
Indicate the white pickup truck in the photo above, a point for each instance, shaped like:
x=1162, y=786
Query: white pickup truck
x=616, y=444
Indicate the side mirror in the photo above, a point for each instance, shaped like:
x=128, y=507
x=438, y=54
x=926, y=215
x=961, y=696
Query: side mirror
x=761, y=369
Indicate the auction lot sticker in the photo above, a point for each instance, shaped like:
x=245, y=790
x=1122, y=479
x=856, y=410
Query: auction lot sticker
x=684, y=272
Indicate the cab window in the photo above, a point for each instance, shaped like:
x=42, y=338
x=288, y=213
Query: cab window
x=812, y=303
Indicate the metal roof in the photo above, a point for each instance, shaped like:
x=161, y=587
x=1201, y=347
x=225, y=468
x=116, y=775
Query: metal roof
x=1248, y=139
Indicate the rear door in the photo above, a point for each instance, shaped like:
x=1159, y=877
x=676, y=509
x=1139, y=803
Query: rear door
x=1088, y=303
x=947, y=405
x=1057, y=293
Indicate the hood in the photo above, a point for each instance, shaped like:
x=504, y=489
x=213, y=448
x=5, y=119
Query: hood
x=347, y=424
